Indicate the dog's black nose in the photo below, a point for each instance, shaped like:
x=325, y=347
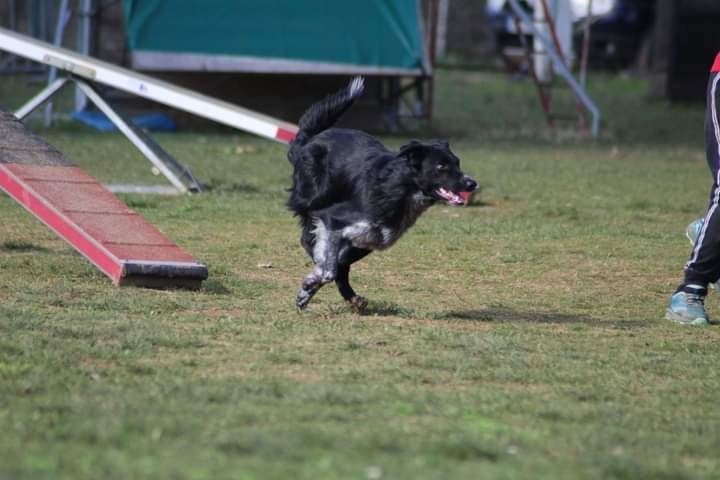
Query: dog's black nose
x=469, y=184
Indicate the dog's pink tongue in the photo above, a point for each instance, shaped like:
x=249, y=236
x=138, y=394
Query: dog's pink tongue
x=451, y=196
x=466, y=196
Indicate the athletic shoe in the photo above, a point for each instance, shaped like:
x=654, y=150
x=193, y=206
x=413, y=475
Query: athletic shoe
x=687, y=309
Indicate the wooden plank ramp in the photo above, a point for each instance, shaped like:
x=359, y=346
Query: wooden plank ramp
x=118, y=241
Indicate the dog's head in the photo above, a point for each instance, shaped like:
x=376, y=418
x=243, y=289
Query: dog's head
x=437, y=171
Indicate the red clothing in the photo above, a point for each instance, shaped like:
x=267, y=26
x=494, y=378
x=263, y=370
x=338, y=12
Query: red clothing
x=716, y=65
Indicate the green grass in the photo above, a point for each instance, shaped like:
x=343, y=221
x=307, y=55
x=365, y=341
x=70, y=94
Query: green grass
x=521, y=337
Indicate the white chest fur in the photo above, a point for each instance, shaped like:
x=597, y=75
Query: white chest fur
x=368, y=235
x=377, y=236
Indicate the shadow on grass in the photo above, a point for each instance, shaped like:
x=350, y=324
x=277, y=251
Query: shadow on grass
x=477, y=202
x=221, y=186
x=214, y=287
x=388, y=309
x=21, y=247
x=508, y=315
x=503, y=315
x=139, y=203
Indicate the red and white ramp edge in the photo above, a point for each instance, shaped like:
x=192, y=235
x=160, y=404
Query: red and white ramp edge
x=118, y=241
x=122, y=244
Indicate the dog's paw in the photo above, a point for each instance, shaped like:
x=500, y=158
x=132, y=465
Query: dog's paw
x=303, y=298
x=358, y=303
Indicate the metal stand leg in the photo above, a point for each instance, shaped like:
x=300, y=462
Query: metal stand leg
x=162, y=160
x=47, y=92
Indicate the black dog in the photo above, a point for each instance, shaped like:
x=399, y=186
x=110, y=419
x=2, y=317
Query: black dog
x=353, y=196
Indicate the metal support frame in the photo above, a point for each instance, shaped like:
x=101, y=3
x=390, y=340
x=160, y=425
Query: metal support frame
x=394, y=94
x=176, y=173
x=147, y=87
x=83, y=70
x=561, y=68
x=41, y=98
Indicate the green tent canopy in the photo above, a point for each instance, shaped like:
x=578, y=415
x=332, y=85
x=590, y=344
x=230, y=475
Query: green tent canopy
x=277, y=36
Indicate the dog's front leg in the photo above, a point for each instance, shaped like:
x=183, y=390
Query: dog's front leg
x=348, y=256
x=325, y=256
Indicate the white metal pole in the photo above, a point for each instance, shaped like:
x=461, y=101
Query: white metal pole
x=83, y=40
x=62, y=18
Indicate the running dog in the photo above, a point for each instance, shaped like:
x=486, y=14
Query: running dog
x=352, y=195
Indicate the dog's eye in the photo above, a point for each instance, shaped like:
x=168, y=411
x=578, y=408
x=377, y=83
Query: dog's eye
x=442, y=166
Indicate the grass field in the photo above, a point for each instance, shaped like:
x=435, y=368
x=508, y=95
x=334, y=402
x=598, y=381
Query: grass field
x=521, y=337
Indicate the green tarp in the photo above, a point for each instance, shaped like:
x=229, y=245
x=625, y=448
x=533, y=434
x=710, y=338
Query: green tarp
x=313, y=36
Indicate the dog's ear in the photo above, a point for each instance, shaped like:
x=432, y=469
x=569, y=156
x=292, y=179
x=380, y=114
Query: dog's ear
x=414, y=152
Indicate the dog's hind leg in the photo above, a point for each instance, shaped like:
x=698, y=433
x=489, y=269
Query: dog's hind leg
x=307, y=239
x=325, y=255
x=342, y=280
x=320, y=275
x=309, y=288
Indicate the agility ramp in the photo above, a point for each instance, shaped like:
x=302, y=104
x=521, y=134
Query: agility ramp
x=118, y=241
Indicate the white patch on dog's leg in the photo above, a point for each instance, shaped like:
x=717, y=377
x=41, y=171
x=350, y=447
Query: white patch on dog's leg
x=312, y=279
x=303, y=298
x=388, y=235
x=326, y=272
x=359, y=234
x=324, y=254
x=355, y=230
x=321, y=242
x=325, y=259
x=311, y=284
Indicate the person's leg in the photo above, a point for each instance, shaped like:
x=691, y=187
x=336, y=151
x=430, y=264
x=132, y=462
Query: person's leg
x=703, y=267
x=687, y=303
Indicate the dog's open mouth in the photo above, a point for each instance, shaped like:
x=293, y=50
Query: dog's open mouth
x=450, y=197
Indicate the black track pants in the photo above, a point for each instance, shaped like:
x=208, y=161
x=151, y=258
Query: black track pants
x=703, y=267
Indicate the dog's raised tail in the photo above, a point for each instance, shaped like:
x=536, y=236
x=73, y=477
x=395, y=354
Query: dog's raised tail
x=325, y=113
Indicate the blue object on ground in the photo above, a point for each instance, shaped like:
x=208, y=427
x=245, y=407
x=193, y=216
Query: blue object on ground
x=148, y=121
x=687, y=308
